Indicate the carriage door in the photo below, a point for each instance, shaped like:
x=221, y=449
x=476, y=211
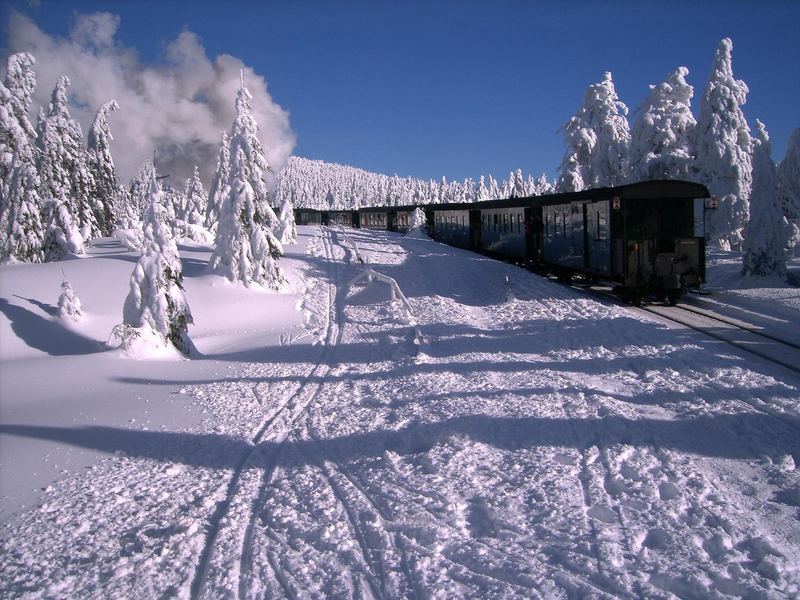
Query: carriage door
x=578, y=242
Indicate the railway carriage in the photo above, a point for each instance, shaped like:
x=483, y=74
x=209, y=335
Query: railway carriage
x=307, y=216
x=646, y=238
x=343, y=218
x=393, y=218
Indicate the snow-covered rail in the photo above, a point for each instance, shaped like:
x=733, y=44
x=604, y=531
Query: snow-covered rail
x=771, y=348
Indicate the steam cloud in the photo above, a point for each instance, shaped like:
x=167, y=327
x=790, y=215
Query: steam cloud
x=179, y=107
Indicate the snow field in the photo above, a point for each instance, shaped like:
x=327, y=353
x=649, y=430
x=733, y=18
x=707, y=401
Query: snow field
x=536, y=443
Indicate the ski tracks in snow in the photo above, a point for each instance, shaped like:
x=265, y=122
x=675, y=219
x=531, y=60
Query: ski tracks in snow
x=225, y=560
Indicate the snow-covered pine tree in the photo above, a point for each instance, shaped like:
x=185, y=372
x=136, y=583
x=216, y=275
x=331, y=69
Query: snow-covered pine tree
x=69, y=305
x=765, y=236
x=287, y=227
x=156, y=303
x=63, y=162
x=722, y=149
x=418, y=220
x=246, y=250
x=20, y=81
x=543, y=186
x=662, y=132
x=101, y=165
x=139, y=189
x=597, y=139
x=219, y=191
x=244, y=135
x=20, y=219
x=483, y=192
x=196, y=199
x=517, y=184
x=23, y=234
x=61, y=235
x=789, y=178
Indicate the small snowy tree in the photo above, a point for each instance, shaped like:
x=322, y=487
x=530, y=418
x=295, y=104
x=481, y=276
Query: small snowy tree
x=69, y=305
x=418, y=220
x=661, y=136
x=219, y=189
x=102, y=168
x=195, y=199
x=765, y=236
x=62, y=235
x=722, y=151
x=156, y=304
x=287, y=227
x=597, y=140
x=246, y=251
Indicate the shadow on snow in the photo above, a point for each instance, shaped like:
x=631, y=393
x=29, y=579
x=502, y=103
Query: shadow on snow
x=712, y=436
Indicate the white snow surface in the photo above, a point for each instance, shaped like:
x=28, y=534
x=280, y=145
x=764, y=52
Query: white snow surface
x=514, y=438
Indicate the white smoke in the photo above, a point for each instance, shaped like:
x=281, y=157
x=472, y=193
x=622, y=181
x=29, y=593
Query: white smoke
x=177, y=107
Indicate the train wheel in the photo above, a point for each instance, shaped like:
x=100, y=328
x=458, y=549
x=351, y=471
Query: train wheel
x=673, y=296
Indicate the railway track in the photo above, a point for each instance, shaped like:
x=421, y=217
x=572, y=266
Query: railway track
x=743, y=337
x=738, y=334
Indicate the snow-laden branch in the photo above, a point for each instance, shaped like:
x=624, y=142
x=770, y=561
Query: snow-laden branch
x=397, y=295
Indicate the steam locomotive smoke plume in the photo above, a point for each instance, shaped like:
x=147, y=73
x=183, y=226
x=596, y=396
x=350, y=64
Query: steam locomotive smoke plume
x=178, y=106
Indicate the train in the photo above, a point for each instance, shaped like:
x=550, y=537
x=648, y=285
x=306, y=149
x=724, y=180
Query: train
x=647, y=239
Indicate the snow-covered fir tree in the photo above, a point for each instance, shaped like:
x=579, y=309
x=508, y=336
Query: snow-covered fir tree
x=317, y=184
x=246, y=250
x=244, y=136
x=195, y=202
x=418, y=219
x=723, y=149
x=287, y=228
x=597, y=140
x=63, y=163
x=20, y=219
x=662, y=131
x=61, y=235
x=765, y=236
x=193, y=211
x=139, y=189
x=101, y=165
x=789, y=178
x=156, y=302
x=218, y=190
x=20, y=81
x=69, y=305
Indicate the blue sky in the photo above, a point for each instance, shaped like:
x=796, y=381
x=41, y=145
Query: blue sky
x=464, y=88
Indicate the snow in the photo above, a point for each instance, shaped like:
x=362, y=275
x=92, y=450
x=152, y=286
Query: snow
x=513, y=438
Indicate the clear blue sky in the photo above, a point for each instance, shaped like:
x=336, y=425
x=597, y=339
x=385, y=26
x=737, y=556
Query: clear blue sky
x=465, y=88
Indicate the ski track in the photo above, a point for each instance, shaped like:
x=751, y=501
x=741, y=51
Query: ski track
x=390, y=465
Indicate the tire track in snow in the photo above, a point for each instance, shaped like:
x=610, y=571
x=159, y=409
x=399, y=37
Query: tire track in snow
x=205, y=563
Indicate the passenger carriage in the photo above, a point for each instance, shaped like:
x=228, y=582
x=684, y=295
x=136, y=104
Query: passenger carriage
x=646, y=238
